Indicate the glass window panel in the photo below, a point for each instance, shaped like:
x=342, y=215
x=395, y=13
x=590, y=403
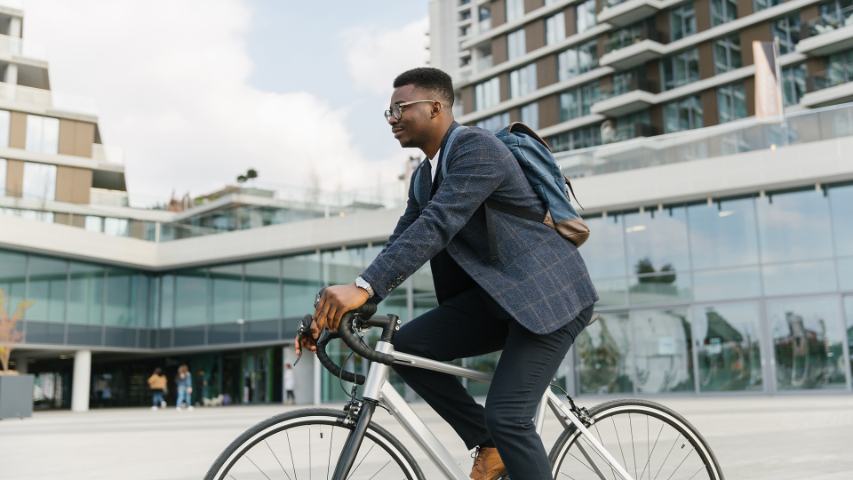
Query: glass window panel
x=588, y=56
x=723, y=11
x=263, y=290
x=680, y=68
x=758, y=5
x=729, y=352
x=342, y=266
x=39, y=181
x=807, y=277
x=4, y=129
x=117, y=227
x=42, y=134
x=522, y=81
x=567, y=64
x=301, y=282
x=727, y=284
x=845, y=273
x=514, y=9
x=167, y=301
x=191, y=297
x=683, y=21
x=723, y=234
x=94, y=224
x=605, y=357
x=612, y=292
x=727, y=54
x=85, y=293
x=487, y=94
x=13, y=278
x=731, y=102
x=585, y=16
x=841, y=199
x=555, y=28
x=794, y=226
x=848, y=314
x=787, y=30
x=2, y=176
x=657, y=240
x=663, y=345
x=673, y=287
x=118, y=308
x=227, y=293
x=516, y=44
x=46, y=289
x=683, y=114
x=605, y=257
x=141, y=300
x=807, y=342
x=530, y=115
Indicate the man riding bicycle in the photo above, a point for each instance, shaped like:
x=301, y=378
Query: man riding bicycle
x=503, y=282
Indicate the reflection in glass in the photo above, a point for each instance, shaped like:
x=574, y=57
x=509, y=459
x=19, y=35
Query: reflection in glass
x=841, y=199
x=807, y=343
x=227, y=301
x=729, y=353
x=661, y=288
x=13, y=277
x=845, y=273
x=118, y=305
x=663, y=346
x=167, y=301
x=794, y=226
x=727, y=284
x=806, y=277
x=848, y=314
x=605, y=360
x=301, y=282
x=723, y=234
x=657, y=240
x=605, y=257
x=612, y=292
x=85, y=293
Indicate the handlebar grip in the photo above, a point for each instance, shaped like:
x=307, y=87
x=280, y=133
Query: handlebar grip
x=331, y=365
x=345, y=330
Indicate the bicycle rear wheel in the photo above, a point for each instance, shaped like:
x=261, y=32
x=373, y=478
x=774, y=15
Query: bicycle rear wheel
x=306, y=444
x=649, y=440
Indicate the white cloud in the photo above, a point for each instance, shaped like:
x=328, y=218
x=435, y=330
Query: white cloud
x=171, y=81
x=375, y=56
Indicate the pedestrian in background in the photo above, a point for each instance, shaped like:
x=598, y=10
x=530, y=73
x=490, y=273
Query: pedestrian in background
x=184, y=381
x=289, y=384
x=157, y=384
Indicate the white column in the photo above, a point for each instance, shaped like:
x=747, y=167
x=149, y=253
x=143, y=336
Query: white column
x=15, y=27
x=81, y=381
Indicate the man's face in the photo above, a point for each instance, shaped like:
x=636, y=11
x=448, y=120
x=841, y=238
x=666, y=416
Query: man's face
x=412, y=129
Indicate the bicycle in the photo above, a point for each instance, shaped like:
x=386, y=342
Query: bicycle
x=299, y=444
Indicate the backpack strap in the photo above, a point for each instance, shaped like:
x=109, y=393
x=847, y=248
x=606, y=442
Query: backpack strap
x=444, y=151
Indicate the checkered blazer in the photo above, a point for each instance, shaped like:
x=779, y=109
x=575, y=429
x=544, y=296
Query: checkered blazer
x=536, y=275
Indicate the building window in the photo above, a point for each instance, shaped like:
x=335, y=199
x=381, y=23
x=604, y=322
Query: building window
x=588, y=56
x=727, y=54
x=530, y=115
x=793, y=84
x=758, y=5
x=633, y=125
x=484, y=57
x=495, y=122
x=487, y=94
x=4, y=128
x=555, y=28
x=94, y=224
x=731, y=102
x=680, y=69
x=117, y=227
x=522, y=81
x=42, y=134
x=515, y=44
x=787, y=30
x=39, y=181
x=576, y=103
x=485, y=18
x=574, y=61
x=682, y=114
x=2, y=177
x=840, y=68
x=723, y=11
x=585, y=16
x=583, y=137
x=514, y=9
x=682, y=21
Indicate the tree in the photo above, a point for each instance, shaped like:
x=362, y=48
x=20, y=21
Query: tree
x=249, y=175
x=9, y=335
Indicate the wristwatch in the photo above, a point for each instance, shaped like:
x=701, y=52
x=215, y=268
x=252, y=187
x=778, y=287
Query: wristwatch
x=362, y=284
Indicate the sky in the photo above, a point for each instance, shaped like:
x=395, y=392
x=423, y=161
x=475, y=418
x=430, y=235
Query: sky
x=197, y=91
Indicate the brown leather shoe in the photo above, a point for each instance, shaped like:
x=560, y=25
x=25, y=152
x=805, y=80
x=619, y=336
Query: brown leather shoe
x=487, y=464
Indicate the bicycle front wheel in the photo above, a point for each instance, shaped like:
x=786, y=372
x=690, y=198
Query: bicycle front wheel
x=649, y=440
x=307, y=444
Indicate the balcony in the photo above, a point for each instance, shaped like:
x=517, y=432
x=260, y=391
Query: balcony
x=628, y=97
x=630, y=49
x=20, y=94
x=828, y=34
x=829, y=87
x=620, y=13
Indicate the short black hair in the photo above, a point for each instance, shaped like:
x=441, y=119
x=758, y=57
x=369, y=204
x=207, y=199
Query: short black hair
x=430, y=79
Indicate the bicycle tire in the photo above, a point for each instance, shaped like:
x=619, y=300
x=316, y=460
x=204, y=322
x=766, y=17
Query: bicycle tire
x=221, y=468
x=642, y=409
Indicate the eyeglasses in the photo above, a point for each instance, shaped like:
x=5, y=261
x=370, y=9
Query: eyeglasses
x=396, y=109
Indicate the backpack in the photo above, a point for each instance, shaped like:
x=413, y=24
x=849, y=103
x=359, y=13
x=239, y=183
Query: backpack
x=539, y=166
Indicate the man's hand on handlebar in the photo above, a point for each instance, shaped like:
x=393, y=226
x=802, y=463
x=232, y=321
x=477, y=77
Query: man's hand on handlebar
x=331, y=305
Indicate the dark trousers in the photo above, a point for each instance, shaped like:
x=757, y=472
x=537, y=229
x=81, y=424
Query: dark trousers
x=471, y=324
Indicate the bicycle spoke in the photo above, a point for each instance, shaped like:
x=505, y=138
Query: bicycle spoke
x=277, y=460
x=633, y=447
x=352, y=474
x=603, y=459
x=619, y=441
x=309, y=454
x=649, y=460
x=380, y=469
x=667, y=455
x=256, y=466
x=292, y=461
x=702, y=467
x=601, y=439
x=680, y=464
x=331, y=444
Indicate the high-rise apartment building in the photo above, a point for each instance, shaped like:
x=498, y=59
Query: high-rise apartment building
x=586, y=73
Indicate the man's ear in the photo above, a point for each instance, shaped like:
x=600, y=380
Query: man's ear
x=436, y=109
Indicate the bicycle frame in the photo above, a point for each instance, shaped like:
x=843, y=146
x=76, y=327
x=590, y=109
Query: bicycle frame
x=377, y=389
